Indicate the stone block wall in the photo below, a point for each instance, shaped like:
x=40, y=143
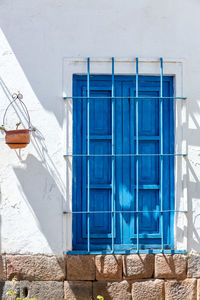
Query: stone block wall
x=117, y=277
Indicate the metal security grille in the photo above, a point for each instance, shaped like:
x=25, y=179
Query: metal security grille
x=89, y=155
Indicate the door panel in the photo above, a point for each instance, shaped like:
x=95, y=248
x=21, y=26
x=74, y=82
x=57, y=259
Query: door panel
x=148, y=165
x=148, y=114
x=100, y=167
x=149, y=222
x=100, y=112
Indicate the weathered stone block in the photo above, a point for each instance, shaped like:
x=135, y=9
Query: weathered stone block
x=108, y=267
x=80, y=267
x=138, y=266
x=6, y=286
x=78, y=290
x=198, y=289
x=148, y=289
x=39, y=289
x=180, y=290
x=2, y=268
x=42, y=290
x=194, y=266
x=36, y=267
x=170, y=266
x=112, y=290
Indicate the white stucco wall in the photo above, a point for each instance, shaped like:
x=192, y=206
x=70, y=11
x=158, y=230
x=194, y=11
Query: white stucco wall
x=34, y=38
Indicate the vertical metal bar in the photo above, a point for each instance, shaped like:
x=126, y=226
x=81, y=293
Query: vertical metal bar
x=137, y=152
x=113, y=157
x=161, y=152
x=88, y=153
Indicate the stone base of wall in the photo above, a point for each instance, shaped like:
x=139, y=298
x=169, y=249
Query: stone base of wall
x=117, y=277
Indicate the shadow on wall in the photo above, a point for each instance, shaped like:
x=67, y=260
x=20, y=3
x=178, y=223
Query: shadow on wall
x=192, y=231
x=193, y=167
x=193, y=217
x=40, y=181
x=37, y=60
x=0, y=218
x=43, y=192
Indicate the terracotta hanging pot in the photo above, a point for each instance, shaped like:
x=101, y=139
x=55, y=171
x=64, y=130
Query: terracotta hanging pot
x=18, y=138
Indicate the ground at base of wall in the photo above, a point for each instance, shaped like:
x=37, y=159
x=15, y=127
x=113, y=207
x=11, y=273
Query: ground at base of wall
x=118, y=277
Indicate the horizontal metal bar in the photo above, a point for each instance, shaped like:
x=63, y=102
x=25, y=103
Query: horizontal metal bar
x=142, y=251
x=126, y=155
x=123, y=59
x=123, y=211
x=141, y=186
x=109, y=137
x=127, y=97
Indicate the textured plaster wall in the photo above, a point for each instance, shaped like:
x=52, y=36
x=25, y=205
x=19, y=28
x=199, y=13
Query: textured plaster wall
x=34, y=37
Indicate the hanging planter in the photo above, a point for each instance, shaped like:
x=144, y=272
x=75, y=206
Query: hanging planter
x=18, y=138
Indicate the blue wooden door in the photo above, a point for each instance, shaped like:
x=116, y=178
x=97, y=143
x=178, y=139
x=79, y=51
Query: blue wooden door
x=100, y=181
